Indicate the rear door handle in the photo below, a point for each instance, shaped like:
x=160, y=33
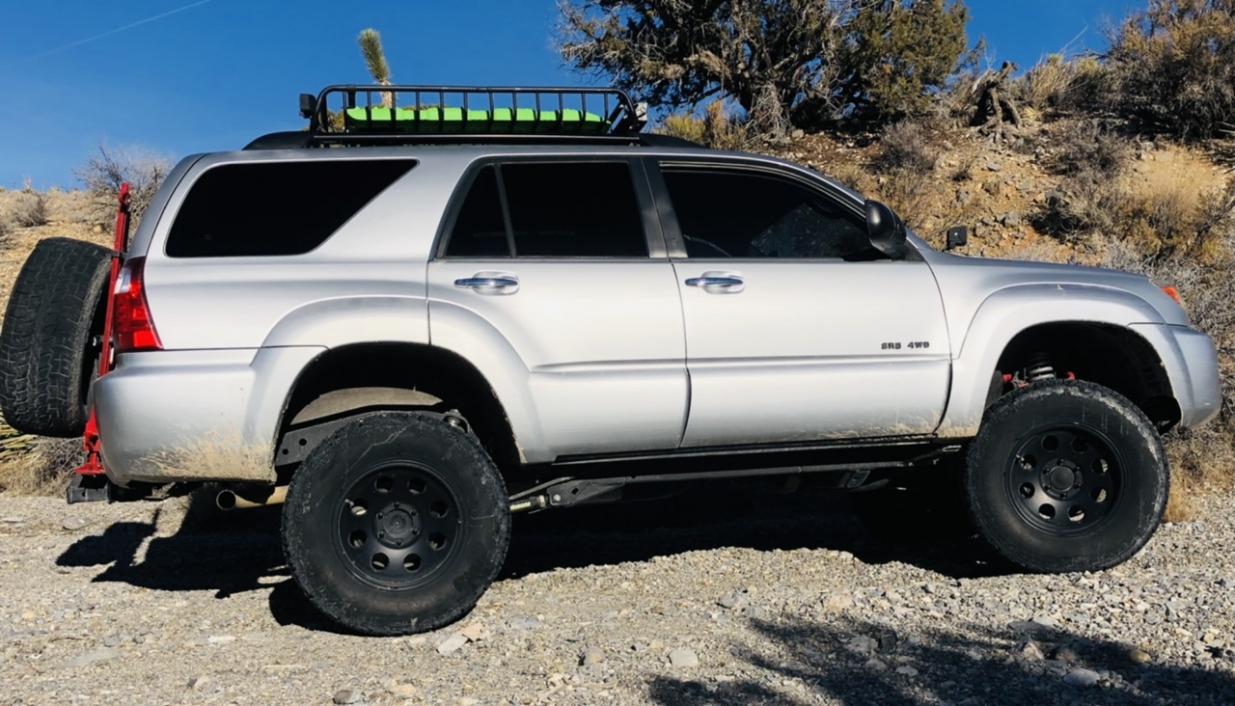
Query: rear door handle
x=718, y=282
x=490, y=283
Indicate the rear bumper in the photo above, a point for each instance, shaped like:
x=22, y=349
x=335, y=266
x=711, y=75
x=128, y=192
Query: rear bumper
x=195, y=415
x=1191, y=363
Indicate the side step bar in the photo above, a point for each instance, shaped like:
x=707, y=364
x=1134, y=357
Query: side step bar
x=570, y=491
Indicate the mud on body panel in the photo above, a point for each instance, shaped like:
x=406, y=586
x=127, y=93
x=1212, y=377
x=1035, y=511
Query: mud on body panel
x=196, y=415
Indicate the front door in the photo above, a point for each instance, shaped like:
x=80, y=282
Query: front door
x=555, y=258
x=796, y=328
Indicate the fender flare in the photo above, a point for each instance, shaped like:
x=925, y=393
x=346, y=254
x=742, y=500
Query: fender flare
x=334, y=323
x=1008, y=312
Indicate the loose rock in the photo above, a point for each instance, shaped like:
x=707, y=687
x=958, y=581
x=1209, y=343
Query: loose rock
x=451, y=644
x=683, y=657
x=1082, y=677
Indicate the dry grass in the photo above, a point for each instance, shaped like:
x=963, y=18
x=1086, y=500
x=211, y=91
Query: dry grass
x=906, y=146
x=1079, y=147
x=37, y=465
x=1059, y=85
x=715, y=128
x=910, y=194
x=23, y=209
x=1167, y=204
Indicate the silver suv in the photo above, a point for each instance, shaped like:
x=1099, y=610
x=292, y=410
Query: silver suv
x=460, y=312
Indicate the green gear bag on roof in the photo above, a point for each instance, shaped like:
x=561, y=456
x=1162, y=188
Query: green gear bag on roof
x=456, y=120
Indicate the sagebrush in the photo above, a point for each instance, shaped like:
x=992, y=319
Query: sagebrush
x=103, y=174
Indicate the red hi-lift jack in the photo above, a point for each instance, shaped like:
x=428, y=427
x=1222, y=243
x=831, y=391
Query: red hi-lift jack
x=89, y=481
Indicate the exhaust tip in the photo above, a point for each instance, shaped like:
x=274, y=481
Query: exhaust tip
x=225, y=500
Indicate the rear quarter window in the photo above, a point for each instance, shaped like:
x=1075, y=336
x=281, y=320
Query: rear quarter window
x=275, y=208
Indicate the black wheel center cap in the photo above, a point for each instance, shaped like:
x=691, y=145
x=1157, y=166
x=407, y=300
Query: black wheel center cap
x=1061, y=478
x=398, y=524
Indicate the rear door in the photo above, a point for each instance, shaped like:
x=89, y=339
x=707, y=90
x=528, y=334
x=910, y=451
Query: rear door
x=796, y=328
x=565, y=259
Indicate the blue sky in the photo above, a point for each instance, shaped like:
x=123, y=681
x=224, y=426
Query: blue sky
x=178, y=76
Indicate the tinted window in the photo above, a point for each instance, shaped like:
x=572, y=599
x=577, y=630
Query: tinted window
x=275, y=208
x=574, y=210
x=480, y=230
x=750, y=215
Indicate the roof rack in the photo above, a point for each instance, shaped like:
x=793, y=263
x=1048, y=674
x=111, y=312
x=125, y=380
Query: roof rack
x=385, y=115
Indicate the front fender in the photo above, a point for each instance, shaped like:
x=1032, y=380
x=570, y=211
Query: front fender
x=1006, y=313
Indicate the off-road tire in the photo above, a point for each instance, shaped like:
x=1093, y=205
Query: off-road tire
x=322, y=499
x=1114, y=472
x=48, y=347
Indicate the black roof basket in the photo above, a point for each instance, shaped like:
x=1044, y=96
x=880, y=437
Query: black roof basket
x=385, y=115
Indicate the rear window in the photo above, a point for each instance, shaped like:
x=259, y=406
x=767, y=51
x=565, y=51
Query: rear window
x=553, y=209
x=275, y=208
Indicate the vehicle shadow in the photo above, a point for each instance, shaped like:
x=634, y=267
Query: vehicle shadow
x=240, y=551
x=737, y=517
x=857, y=662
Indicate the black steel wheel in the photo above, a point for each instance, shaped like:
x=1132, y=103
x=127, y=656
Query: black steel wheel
x=1066, y=476
x=396, y=524
x=1065, y=479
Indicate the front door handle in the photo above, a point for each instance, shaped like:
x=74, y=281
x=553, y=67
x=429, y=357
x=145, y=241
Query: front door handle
x=718, y=282
x=490, y=283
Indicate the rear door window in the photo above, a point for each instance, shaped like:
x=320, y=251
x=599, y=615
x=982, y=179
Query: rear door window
x=550, y=209
x=275, y=208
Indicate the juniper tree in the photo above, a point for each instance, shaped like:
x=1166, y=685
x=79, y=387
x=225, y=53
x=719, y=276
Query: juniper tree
x=815, y=61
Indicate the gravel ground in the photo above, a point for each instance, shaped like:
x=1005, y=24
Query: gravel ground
x=783, y=600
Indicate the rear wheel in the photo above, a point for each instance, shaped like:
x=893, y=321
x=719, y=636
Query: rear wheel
x=396, y=524
x=52, y=332
x=1066, y=476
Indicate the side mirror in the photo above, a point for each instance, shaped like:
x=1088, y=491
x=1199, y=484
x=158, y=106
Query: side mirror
x=957, y=237
x=885, y=230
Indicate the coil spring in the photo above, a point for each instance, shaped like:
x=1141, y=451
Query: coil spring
x=1039, y=368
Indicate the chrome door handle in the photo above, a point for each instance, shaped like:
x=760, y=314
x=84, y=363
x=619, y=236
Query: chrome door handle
x=718, y=282
x=490, y=283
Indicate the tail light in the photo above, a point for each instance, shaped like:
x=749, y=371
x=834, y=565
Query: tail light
x=132, y=325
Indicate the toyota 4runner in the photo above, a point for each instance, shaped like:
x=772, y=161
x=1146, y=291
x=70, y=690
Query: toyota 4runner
x=439, y=306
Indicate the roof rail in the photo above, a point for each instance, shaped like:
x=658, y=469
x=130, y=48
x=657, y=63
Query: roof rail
x=384, y=115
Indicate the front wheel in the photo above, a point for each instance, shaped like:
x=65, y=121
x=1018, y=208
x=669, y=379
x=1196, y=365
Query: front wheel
x=396, y=524
x=1066, y=476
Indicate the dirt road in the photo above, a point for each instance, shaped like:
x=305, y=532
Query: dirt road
x=783, y=600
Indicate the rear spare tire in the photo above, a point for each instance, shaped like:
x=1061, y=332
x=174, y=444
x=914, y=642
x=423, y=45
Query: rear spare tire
x=50, y=340
x=1066, y=476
